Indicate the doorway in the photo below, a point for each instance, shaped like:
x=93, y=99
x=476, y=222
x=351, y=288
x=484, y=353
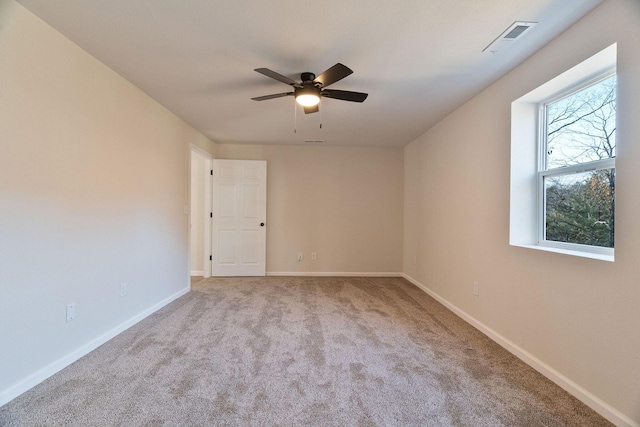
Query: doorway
x=200, y=206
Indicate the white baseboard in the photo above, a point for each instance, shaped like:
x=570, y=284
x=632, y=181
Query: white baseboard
x=197, y=273
x=332, y=274
x=594, y=402
x=37, y=377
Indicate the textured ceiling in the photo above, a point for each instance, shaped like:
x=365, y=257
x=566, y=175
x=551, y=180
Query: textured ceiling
x=417, y=59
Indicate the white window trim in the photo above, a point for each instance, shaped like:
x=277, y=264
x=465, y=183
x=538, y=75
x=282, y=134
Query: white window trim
x=590, y=80
x=526, y=201
x=567, y=170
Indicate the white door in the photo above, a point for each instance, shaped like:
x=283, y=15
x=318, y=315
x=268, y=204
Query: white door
x=239, y=217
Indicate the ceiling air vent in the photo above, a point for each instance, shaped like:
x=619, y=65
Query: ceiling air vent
x=511, y=34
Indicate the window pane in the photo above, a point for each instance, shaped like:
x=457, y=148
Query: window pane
x=580, y=208
x=581, y=127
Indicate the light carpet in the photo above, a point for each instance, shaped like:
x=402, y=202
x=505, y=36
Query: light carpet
x=299, y=351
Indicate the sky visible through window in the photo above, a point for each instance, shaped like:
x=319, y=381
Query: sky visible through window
x=581, y=127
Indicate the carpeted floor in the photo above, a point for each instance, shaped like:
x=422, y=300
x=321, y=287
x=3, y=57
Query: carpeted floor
x=299, y=351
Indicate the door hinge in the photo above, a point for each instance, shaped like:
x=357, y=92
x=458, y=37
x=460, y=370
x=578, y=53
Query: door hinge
x=210, y=258
x=211, y=171
x=210, y=214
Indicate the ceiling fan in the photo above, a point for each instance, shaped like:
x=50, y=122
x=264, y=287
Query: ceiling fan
x=308, y=91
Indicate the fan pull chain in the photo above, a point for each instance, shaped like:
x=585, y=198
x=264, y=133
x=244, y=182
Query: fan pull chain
x=319, y=105
x=295, y=117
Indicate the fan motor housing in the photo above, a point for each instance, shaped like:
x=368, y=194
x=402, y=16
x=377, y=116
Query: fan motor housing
x=307, y=77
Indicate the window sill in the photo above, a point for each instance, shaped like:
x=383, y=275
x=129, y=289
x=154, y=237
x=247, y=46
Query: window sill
x=601, y=257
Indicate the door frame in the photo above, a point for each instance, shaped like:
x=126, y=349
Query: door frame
x=206, y=181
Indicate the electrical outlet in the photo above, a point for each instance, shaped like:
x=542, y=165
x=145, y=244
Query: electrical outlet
x=476, y=288
x=71, y=312
x=123, y=289
x=314, y=256
x=300, y=256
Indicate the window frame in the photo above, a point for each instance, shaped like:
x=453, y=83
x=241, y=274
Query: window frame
x=543, y=172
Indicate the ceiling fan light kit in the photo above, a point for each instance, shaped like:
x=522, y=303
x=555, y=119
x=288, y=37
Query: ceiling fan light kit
x=308, y=96
x=310, y=89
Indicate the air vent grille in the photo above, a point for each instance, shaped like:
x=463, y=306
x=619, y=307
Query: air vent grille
x=511, y=34
x=516, y=31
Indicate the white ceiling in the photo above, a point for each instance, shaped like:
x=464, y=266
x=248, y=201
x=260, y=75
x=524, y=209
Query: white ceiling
x=418, y=59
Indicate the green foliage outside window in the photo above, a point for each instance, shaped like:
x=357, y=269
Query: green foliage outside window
x=582, y=211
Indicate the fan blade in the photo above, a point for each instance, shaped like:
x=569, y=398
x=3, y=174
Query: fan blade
x=345, y=95
x=274, y=96
x=284, y=79
x=333, y=74
x=312, y=109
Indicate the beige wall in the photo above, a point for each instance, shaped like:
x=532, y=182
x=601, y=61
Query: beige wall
x=94, y=177
x=344, y=203
x=579, y=316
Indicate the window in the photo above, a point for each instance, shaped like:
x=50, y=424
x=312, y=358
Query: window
x=577, y=167
x=563, y=162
